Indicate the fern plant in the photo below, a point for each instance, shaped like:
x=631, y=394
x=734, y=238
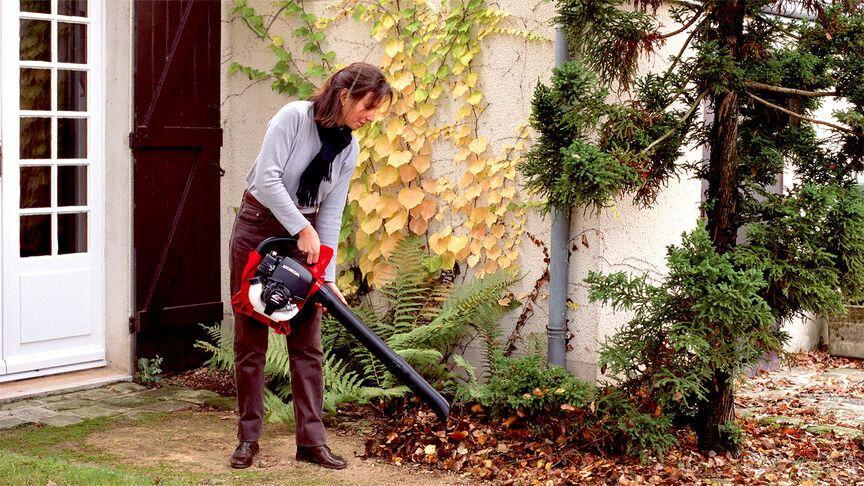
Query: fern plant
x=421, y=318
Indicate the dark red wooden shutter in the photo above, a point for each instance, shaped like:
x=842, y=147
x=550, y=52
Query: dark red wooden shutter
x=175, y=145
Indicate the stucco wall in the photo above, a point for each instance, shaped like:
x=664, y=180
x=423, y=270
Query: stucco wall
x=118, y=189
x=633, y=239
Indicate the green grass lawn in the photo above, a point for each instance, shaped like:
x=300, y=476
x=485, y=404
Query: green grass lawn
x=38, y=455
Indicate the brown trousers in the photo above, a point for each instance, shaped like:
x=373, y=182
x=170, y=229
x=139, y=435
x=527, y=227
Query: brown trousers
x=255, y=223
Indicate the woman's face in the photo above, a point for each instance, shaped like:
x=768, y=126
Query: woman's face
x=358, y=112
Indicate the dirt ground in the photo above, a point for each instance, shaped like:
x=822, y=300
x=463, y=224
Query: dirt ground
x=203, y=440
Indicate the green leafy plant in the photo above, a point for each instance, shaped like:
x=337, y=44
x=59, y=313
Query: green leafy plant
x=420, y=318
x=149, y=371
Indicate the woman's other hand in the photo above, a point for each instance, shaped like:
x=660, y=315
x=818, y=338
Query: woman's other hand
x=309, y=244
x=332, y=286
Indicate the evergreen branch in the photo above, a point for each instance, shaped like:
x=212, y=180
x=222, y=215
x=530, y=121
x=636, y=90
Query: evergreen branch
x=780, y=89
x=696, y=15
x=802, y=117
x=671, y=131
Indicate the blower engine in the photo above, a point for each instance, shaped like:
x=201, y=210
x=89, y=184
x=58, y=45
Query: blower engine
x=275, y=287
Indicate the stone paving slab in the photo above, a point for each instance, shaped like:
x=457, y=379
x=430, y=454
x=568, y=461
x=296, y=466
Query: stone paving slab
x=60, y=420
x=167, y=406
x=10, y=422
x=126, y=387
x=96, y=411
x=198, y=397
x=32, y=414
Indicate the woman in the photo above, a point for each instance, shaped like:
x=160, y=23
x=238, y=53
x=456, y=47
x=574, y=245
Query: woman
x=298, y=186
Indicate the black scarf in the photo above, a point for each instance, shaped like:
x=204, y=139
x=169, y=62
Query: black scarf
x=333, y=141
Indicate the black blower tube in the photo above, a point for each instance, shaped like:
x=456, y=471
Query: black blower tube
x=395, y=363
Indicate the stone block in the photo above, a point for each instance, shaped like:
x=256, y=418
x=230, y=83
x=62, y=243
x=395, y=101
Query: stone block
x=846, y=333
x=127, y=386
x=224, y=403
x=95, y=394
x=11, y=422
x=20, y=404
x=195, y=396
x=161, y=393
x=32, y=414
x=96, y=411
x=128, y=401
x=71, y=402
x=60, y=420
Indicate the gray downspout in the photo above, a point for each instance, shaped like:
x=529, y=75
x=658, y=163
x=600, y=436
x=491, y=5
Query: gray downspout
x=556, y=330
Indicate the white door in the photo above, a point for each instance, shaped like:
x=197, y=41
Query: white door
x=52, y=213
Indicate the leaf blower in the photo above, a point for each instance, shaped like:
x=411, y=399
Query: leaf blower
x=276, y=287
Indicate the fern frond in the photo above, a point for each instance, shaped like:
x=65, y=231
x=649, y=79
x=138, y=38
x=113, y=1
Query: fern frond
x=222, y=353
x=277, y=410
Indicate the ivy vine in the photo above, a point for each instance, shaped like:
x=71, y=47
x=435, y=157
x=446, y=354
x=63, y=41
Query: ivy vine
x=428, y=52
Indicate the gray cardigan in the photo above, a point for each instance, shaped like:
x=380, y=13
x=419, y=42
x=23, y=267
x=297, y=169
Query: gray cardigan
x=289, y=145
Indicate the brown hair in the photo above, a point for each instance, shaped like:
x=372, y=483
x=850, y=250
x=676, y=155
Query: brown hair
x=359, y=79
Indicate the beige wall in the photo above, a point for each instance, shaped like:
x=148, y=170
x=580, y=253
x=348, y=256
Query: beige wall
x=632, y=240
x=118, y=187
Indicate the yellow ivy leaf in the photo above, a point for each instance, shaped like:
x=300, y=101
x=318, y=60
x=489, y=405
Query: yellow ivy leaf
x=471, y=79
x=345, y=279
x=467, y=179
x=490, y=266
x=473, y=191
x=429, y=185
x=478, y=232
x=476, y=245
x=494, y=252
x=402, y=80
x=496, y=182
x=277, y=40
x=383, y=145
x=446, y=231
x=363, y=156
x=427, y=110
x=435, y=92
x=368, y=201
x=462, y=155
x=474, y=98
x=448, y=260
x=399, y=157
x=473, y=260
x=458, y=67
x=420, y=95
x=448, y=196
x=395, y=127
x=491, y=218
x=457, y=243
x=438, y=243
x=476, y=166
x=498, y=231
x=399, y=108
x=493, y=197
x=387, y=205
x=397, y=222
x=412, y=115
x=418, y=225
x=508, y=192
x=419, y=69
x=386, y=175
x=370, y=224
x=422, y=164
x=411, y=197
x=462, y=113
x=459, y=90
x=478, y=214
x=389, y=243
x=393, y=47
x=409, y=134
x=380, y=274
x=407, y=173
x=427, y=209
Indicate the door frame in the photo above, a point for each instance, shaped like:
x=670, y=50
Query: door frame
x=80, y=355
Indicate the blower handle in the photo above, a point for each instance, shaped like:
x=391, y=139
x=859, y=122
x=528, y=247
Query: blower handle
x=290, y=242
x=265, y=245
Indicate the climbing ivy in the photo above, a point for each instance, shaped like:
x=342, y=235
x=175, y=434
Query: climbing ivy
x=429, y=54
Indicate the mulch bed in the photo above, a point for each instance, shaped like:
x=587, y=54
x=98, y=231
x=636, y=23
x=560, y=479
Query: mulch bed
x=219, y=381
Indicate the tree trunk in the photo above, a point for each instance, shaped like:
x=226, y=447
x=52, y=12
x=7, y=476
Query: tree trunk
x=717, y=410
x=722, y=223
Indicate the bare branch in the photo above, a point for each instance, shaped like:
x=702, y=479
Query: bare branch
x=802, y=117
x=680, y=53
x=696, y=15
x=780, y=89
x=671, y=131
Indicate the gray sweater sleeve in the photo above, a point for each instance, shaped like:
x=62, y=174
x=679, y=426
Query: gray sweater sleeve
x=270, y=167
x=329, y=219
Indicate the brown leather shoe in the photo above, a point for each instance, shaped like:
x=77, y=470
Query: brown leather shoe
x=243, y=454
x=322, y=456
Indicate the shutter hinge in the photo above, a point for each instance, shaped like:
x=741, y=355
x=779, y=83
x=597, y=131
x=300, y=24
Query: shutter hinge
x=132, y=325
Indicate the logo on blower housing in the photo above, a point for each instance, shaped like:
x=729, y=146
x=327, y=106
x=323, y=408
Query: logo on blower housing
x=293, y=272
